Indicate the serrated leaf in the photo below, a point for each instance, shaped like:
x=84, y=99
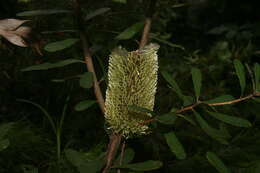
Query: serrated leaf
x=42, y=12
x=140, y=109
x=4, y=143
x=168, y=118
x=131, y=31
x=257, y=76
x=196, y=78
x=86, y=80
x=175, y=145
x=172, y=82
x=120, y=1
x=60, y=45
x=212, y=132
x=240, y=71
x=235, y=121
x=223, y=98
x=96, y=13
x=142, y=166
x=83, y=105
x=215, y=161
x=47, y=65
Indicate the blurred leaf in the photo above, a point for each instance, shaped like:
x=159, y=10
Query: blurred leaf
x=189, y=119
x=175, y=145
x=60, y=45
x=83, y=105
x=168, y=118
x=42, y=12
x=212, y=132
x=218, y=30
x=86, y=80
x=120, y=1
x=29, y=169
x=142, y=166
x=240, y=70
x=196, y=78
x=131, y=31
x=223, y=98
x=96, y=13
x=153, y=36
x=128, y=156
x=47, y=65
x=4, y=128
x=172, y=82
x=257, y=76
x=140, y=109
x=215, y=161
x=235, y=121
x=4, y=143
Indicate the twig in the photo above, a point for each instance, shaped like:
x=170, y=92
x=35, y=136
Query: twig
x=121, y=155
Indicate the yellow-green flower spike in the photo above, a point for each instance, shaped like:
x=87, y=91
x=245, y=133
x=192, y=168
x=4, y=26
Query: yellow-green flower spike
x=132, y=80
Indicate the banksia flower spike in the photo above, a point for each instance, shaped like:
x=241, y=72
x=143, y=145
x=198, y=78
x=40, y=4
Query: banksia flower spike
x=132, y=80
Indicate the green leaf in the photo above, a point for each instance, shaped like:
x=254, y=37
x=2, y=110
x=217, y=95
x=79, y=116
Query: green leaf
x=47, y=66
x=128, y=157
x=175, y=145
x=4, y=128
x=173, y=83
x=140, y=109
x=168, y=118
x=235, y=121
x=240, y=70
x=4, y=143
x=187, y=118
x=96, y=13
x=215, y=161
x=42, y=12
x=86, y=80
x=212, y=132
x=83, y=105
x=120, y=1
x=60, y=45
x=153, y=36
x=257, y=76
x=196, y=78
x=223, y=98
x=143, y=166
x=131, y=31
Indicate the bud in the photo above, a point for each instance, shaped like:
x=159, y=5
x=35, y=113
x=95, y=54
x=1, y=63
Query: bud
x=132, y=80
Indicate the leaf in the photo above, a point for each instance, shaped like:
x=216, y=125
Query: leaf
x=96, y=13
x=60, y=45
x=47, y=66
x=11, y=24
x=42, y=12
x=153, y=36
x=257, y=76
x=140, y=109
x=215, y=161
x=86, y=80
x=196, y=78
x=172, y=82
x=131, y=31
x=83, y=105
x=187, y=118
x=240, y=70
x=223, y=98
x=13, y=38
x=4, y=128
x=175, y=145
x=120, y=1
x=143, y=166
x=235, y=121
x=212, y=132
x=168, y=118
x=128, y=156
x=4, y=143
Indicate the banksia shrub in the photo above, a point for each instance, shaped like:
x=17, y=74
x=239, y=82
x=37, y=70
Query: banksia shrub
x=132, y=80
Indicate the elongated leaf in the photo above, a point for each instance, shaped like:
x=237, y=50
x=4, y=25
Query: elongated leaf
x=212, y=132
x=143, y=166
x=140, y=109
x=235, y=121
x=83, y=105
x=131, y=31
x=120, y=1
x=153, y=36
x=47, y=66
x=60, y=45
x=96, y=13
x=4, y=143
x=175, y=145
x=240, y=70
x=196, y=78
x=172, y=82
x=86, y=80
x=257, y=76
x=42, y=12
x=187, y=118
x=168, y=118
x=223, y=98
x=215, y=161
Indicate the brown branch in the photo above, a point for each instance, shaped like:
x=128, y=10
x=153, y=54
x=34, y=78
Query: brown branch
x=121, y=156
